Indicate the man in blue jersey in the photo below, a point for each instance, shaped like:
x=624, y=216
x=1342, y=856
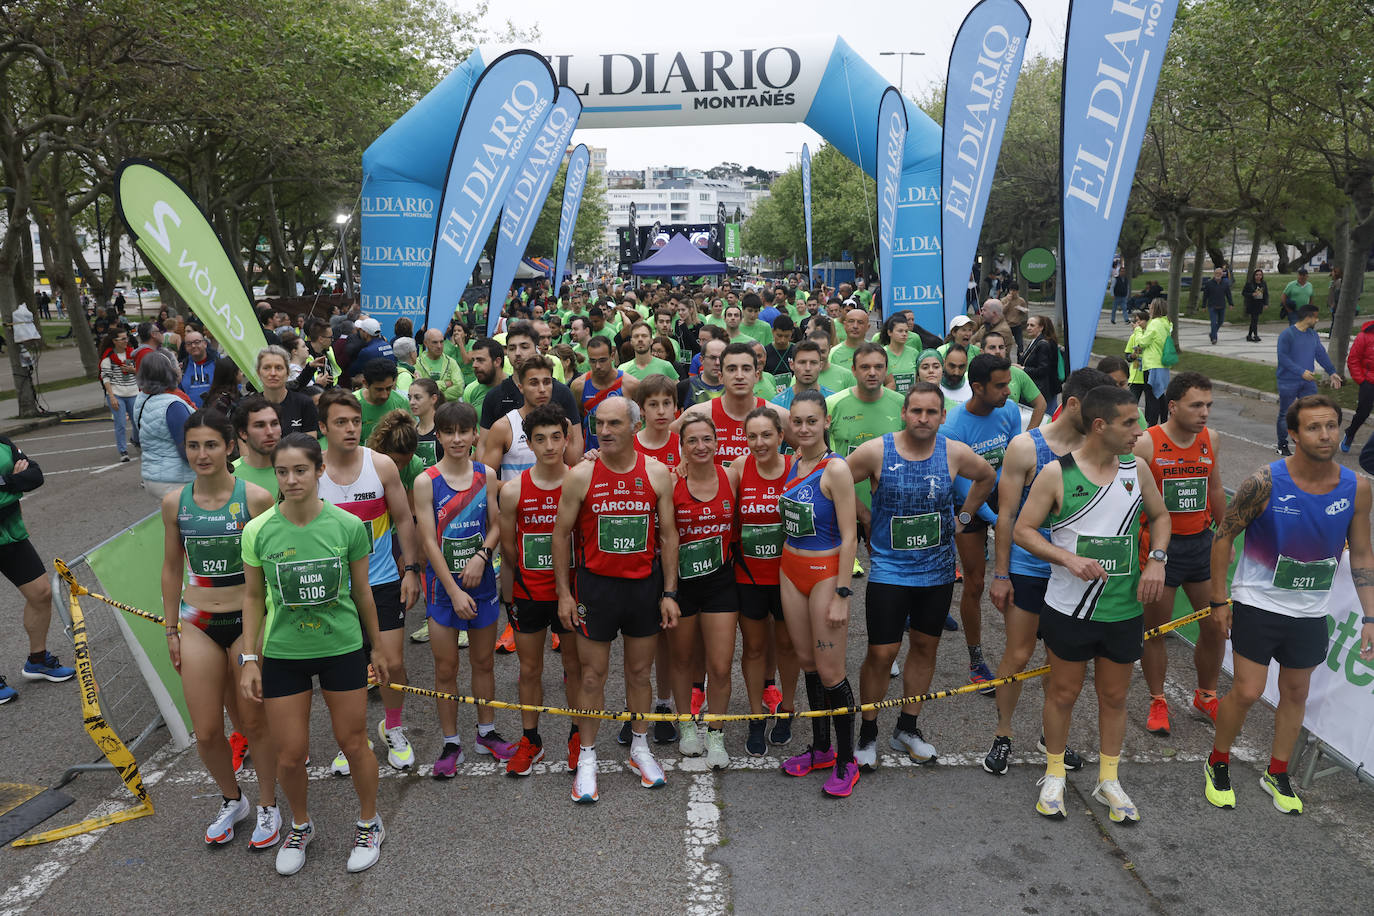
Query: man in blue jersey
x=1298, y=515
x=986, y=423
x=911, y=542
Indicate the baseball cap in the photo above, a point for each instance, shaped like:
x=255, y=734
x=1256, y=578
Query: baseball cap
x=371, y=326
x=958, y=321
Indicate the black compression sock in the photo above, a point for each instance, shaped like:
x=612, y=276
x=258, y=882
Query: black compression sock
x=572, y=731
x=820, y=725
x=906, y=722
x=842, y=695
x=41, y=656
x=975, y=654
x=533, y=735
x=868, y=730
x=769, y=682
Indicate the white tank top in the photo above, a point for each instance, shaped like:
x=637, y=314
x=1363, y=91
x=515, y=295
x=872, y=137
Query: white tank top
x=518, y=457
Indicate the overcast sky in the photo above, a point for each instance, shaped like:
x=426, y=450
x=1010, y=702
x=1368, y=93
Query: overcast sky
x=869, y=26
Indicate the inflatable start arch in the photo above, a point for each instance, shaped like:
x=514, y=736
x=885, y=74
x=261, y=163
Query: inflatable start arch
x=818, y=81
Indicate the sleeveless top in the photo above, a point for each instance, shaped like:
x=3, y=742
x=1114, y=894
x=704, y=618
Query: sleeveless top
x=912, y=537
x=591, y=400
x=1181, y=475
x=1291, y=551
x=731, y=442
x=705, y=529
x=535, y=515
x=460, y=524
x=1102, y=523
x=1023, y=562
x=519, y=457
x=669, y=454
x=617, y=529
x=212, y=538
x=366, y=499
x=760, y=525
x=808, y=515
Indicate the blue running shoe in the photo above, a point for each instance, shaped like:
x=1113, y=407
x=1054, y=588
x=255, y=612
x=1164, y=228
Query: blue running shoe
x=49, y=669
x=7, y=692
x=980, y=674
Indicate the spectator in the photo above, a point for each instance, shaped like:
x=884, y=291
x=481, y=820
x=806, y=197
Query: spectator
x=1216, y=295
x=1299, y=350
x=1151, y=353
x=403, y=348
x=1295, y=295
x=1333, y=297
x=118, y=378
x=374, y=346
x=198, y=371
x=1135, y=377
x=991, y=320
x=1360, y=363
x=162, y=410
x=149, y=339
x=1015, y=310
x=1256, y=296
x=1041, y=361
x=225, y=389
x=295, y=409
x=1121, y=288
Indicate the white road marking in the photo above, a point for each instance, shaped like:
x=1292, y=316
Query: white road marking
x=707, y=894
x=67, y=451
x=110, y=467
x=93, y=468
x=60, y=436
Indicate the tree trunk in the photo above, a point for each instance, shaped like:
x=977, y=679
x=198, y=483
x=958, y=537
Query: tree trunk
x=1198, y=251
x=58, y=259
x=1357, y=244
x=281, y=258
x=1255, y=239
x=1282, y=249
x=1176, y=232
x=25, y=393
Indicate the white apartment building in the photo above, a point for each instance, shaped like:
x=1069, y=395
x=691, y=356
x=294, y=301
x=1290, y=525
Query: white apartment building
x=675, y=195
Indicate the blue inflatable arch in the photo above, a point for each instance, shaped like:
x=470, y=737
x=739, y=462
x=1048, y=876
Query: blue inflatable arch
x=819, y=81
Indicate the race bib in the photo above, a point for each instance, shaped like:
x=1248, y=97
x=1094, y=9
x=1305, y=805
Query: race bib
x=994, y=456
x=761, y=542
x=310, y=582
x=536, y=551
x=1187, y=494
x=798, y=519
x=916, y=532
x=427, y=452
x=214, y=557
x=457, y=551
x=1297, y=576
x=1114, y=553
x=700, y=558
x=622, y=533
x=904, y=381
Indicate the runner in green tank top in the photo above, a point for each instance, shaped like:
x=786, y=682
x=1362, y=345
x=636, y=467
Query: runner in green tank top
x=1092, y=500
x=257, y=427
x=901, y=359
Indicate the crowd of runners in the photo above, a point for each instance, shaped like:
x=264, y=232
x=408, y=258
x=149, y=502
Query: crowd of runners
x=682, y=469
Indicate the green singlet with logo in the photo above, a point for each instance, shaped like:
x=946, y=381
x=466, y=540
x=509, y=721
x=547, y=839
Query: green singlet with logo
x=853, y=422
x=1102, y=523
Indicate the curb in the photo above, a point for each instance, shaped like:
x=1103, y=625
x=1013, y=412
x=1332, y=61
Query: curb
x=29, y=424
x=1242, y=391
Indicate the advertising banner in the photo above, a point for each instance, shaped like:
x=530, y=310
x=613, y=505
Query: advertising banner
x=891, y=140
x=176, y=238
x=983, y=68
x=806, y=209
x=525, y=200
x=574, y=182
x=502, y=118
x=732, y=248
x=1112, y=58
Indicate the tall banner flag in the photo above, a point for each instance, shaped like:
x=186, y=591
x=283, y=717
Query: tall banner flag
x=176, y=238
x=525, y=200
x=574, y=182
x=1112, y=58
x=503, y=115
x=891, y=146
x=806, y=210
x=983, y=68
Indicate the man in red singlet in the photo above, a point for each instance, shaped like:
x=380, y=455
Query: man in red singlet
x=740, y=371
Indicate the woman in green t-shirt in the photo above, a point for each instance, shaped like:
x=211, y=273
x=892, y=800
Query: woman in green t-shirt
x=305, y=572
x=202, y=525
x=901, y=359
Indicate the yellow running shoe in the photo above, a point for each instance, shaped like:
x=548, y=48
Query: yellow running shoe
x=1281, y=791
x=1216, y=785
x=1120, y=808
x=1051, y=802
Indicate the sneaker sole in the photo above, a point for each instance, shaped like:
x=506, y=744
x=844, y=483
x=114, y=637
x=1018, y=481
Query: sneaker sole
x=32, y=676
x=848, y=790
x=267, y=843
x=483, y=749
x=1050, y=815
x=988, y=769
x=9, y=699
x=1273, y=797
x=287, y=874
x=530, y=770
x=222, y=839
x=646, y=783
x=1113, y=814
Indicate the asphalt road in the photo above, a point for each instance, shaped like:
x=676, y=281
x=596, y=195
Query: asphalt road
x=939, y=837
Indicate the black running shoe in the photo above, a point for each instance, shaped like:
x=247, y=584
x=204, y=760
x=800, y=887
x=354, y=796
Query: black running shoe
x=997, y=759
x=624, y=736
x=1072, y=760
x=782, y=731
x=664, y=732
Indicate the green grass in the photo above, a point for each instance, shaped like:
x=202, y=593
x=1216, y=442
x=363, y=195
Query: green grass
x=1321, y=285
x=52, y=386
x=1235, y=371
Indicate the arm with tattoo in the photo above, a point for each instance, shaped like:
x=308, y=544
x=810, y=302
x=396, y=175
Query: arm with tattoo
x=1362, y=565
x=1251, y=499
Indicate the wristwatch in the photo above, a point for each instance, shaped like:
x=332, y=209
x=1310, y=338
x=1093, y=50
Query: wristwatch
x=1159, y=555
x=670, y=594
x=245, y=659
x=964, y=518
x=415, y=568
x=844, y=591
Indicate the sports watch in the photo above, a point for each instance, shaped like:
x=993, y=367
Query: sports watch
x=1159, y=555
x=844, y=591
x=964, y=518
x=245, y=659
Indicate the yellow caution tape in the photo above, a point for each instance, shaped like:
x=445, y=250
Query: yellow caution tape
x=104, y=737
x=78, y=589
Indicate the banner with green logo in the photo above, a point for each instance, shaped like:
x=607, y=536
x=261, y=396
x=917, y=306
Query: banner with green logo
x=174, y=235
x=732, y=249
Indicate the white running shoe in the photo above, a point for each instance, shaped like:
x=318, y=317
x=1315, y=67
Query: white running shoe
x=866, y=755
x=689, y=740
x=1051, y=802
x=367, y=845
x=268, y=829
x=340, y=765
x=399, y=753
x=584, y=780
x=642, y=762
x=914, y=745
x=221, y=829
x=291, y=856
x=717, y=758
x=1120, y=808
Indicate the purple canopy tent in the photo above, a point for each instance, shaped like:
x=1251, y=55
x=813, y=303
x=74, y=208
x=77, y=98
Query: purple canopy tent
x=678, y=258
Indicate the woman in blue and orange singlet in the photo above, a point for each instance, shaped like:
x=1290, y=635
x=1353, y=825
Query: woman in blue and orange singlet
x=818, y=519
x=203, y=523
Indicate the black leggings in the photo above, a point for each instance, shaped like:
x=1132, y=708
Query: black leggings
x=1254, y=325
x=1154, y=408
x=1362, y=408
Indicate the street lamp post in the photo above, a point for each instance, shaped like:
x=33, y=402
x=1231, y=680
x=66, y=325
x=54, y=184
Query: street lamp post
x=901, y=69
x=343, y=219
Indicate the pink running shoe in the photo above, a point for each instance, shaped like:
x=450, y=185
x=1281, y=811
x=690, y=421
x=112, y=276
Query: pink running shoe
x=842, y=780
x=807, y=761
x=496, y=746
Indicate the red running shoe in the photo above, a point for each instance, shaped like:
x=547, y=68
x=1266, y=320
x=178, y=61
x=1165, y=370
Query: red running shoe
x=525, y=757
x=238, y=747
